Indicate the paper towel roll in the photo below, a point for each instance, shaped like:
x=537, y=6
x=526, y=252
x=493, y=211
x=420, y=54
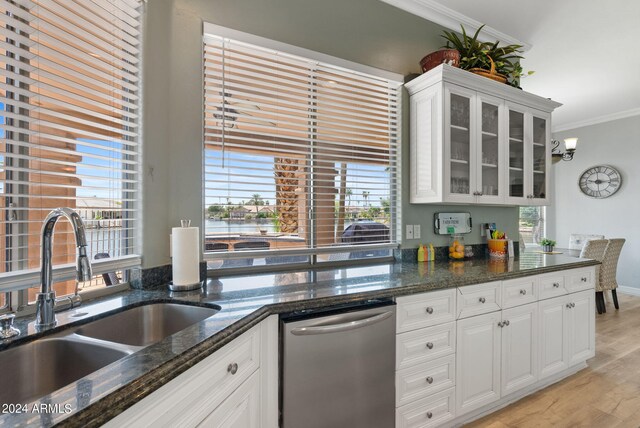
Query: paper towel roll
x=185, y=250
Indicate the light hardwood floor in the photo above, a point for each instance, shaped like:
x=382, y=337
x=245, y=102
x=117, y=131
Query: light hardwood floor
x=606, y=394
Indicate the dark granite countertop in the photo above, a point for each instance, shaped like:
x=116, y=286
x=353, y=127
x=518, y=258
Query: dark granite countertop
x=245, y=301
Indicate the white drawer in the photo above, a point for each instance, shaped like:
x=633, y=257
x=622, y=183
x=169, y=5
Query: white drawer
x=516, y=292
x=419, y=346
x=426, y=309
x=428, y=412
x=579, y=279
x=425, y=379
x=186, y=400
x=551, y=285
x=478, y=299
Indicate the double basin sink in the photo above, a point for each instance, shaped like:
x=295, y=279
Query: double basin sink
x=43, y=366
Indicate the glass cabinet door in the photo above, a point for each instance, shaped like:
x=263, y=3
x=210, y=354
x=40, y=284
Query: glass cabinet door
x=516, y=149
x=460, y=148
x=489, y=150
x=539, y=158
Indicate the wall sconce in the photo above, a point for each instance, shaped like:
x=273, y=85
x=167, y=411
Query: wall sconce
x=570, y=148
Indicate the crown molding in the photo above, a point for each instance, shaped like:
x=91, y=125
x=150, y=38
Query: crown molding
x=435, y=12
x=597, y=119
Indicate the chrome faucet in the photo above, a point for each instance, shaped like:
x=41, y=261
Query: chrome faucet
x=46, y=299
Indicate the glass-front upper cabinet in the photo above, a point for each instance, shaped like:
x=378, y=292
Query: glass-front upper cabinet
x=516, y=154
x=489, y=185
x=540, y=159
x=459, y=152
x=529, y=156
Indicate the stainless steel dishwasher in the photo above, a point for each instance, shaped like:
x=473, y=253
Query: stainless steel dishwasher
x=338, y=367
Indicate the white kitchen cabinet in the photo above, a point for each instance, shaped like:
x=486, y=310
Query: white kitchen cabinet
x=528, y=155
x=240, y=410
x=519, y=357
x=460, y=152
x=476, y=141
x=567, y=331
x=581, y=324
x=551, y=343
x=496, y=355
x=237, y=384
x=478, y=361
x=490, y=150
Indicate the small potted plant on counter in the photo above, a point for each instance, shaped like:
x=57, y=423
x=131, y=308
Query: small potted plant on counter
x=547, y=245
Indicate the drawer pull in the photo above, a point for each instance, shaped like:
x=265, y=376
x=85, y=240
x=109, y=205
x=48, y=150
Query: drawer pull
x=482, y=300
x=429, y=310
x=430, y=345
x=429, y=415
x=429, y=380
x=523, y=291
x=232, y=368
x=556, y=285
x=584, y=279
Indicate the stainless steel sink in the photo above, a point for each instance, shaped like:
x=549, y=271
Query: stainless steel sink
x=38, y=368
x=144, y=325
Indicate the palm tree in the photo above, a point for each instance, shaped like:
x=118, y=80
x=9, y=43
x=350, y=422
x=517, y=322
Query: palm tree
x=256, y=200
x=285, y=171
x=365, y=195
x=349, y=192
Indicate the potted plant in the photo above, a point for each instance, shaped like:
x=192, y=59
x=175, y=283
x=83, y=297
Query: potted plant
x=500, y=63
x=547, y=245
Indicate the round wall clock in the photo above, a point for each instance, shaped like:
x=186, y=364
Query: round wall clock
x=600, y=181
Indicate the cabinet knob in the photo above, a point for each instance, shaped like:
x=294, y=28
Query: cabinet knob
x=523, y=292
x=232, y=368
x=584, y=279
x=500, y=324
x=482, y=300
x=556, y=285
x=430, y=345
x=429, y=415
x=573, y=305
x=429, y=310
x=506, y=322
x=568, y=305
x=429, y=380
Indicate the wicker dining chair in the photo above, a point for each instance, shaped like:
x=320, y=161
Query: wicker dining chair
x=608, y=271
x=595, y=249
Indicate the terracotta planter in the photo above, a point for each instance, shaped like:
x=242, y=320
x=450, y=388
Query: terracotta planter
x=443, y=56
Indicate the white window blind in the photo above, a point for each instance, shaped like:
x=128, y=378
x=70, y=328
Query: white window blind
x=69, y=112
x=300, y=156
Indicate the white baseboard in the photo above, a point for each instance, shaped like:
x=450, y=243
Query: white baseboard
x=633, y=291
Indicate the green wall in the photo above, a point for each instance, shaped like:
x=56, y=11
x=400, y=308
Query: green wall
x=365, y=31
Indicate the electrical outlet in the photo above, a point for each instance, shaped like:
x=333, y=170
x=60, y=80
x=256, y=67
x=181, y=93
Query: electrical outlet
x=416, y=231
x=409, y=232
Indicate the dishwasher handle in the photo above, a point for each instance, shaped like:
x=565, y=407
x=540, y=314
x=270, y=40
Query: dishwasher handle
x=336, y=328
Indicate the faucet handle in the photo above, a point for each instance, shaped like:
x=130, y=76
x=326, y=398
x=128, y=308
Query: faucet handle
x=7, y=329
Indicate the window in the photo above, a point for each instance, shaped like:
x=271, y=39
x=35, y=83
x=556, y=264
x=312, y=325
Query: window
x=69, y=106
x=532, y=225
x=300, y=156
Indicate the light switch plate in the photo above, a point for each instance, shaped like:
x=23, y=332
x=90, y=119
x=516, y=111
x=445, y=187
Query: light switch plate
x=409, y=232
x=416, y=231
